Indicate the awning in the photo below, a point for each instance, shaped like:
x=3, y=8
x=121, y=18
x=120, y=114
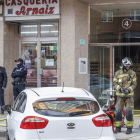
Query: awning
x=31, y=18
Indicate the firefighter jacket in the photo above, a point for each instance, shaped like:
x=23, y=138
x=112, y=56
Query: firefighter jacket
x=126, y=80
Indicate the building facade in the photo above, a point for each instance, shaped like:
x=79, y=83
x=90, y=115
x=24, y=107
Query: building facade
x=76, y=42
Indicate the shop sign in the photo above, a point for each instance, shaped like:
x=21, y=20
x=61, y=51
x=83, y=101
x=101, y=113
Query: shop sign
x=31, y=7
x=49, y=62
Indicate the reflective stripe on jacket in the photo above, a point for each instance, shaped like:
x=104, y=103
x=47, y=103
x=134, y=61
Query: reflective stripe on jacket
x=126, y=80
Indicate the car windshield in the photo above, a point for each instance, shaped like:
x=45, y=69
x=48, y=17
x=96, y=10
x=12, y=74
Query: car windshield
x=72, y=108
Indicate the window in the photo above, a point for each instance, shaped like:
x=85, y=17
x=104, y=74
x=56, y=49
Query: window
x=46, y=30
x=135, y=15
x=66, y=108
x=49, y=64
x=29, y=55
x=29, y=30
x=17, y=101
x=107, y=16
x=20, y=103
x=49, y=30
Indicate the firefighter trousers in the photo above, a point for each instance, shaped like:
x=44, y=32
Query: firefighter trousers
x=128, y=103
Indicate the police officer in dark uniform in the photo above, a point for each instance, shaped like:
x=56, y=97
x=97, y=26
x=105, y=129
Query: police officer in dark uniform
x=3, y=83
x=19, y=74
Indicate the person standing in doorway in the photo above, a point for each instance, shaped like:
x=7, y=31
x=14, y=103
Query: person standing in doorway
x=19, y=75
x=3, y=83
x=124, y=82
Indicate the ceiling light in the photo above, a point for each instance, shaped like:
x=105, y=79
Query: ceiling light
x=30, y=26
x=47, y=25
x=28, y=32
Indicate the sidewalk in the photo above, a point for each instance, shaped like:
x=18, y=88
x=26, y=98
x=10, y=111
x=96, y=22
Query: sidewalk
x=3, y=129
x=119, y=136
x=136, y=131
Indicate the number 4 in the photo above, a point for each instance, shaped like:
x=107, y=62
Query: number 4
x=126, y=23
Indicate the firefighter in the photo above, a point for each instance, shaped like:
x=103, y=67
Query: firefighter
x=124, y=82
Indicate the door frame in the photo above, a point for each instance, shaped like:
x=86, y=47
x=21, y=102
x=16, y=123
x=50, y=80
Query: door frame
x=38, y=40
x=112, y=52
x=111, y=55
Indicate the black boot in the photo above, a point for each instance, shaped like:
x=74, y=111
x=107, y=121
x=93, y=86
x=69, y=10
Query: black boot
x=117, y=130
x=129, y=131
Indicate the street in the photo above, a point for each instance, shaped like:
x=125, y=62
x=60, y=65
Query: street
x=2, y=138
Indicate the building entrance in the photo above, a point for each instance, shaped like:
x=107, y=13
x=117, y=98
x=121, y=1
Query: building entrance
x=38, y=45
x=104, y=62
x=116, y=27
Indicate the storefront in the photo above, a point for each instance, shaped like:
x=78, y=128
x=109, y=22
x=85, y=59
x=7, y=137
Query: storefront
x=51, y=36
x=38, y=23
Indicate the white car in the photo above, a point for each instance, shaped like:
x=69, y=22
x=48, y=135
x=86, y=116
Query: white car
x=55, y=114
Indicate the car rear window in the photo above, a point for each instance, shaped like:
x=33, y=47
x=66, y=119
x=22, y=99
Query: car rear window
x=66, y=108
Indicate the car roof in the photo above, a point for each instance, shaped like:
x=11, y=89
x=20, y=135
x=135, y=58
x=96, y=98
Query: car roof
x=55, y=91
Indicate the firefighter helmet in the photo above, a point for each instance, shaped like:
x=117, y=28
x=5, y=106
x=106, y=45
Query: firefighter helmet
x=126, y=62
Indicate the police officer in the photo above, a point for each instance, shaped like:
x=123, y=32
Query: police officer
x=3, y=83
x=19, y=74
x=124, y=82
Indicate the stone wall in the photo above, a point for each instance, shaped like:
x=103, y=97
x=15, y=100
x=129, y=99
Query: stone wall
x=74, y=26
x=1, y=43
x=11, y=52
x=67, y=42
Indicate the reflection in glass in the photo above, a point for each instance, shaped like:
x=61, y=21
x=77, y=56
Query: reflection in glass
x=49, y=64
x=99, y=78
x=29, y=55
x=107, y=16
x=106, y=23
x=66, y=108
x=110, y=16
x=104, y=16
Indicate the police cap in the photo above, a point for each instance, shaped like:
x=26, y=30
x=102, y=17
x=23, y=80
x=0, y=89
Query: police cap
x=19, y=60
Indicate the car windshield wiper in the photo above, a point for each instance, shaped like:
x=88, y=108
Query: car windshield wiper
x=79, y=112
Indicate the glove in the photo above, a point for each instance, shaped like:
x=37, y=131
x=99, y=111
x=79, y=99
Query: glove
x=111, y=96
x=127, y=91
x=122, y=90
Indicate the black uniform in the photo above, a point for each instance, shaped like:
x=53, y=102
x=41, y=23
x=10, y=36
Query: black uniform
x=19, y=75
x=3, y=83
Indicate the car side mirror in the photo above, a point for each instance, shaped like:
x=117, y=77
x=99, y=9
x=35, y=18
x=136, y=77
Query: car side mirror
x=7, y=108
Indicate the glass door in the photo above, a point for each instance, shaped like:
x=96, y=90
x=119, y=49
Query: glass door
x=29, y=55
x=104, y=74
x=100, y=72
x=48, y=64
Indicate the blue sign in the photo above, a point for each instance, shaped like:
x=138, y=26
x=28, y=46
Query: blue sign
x=82, y=41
